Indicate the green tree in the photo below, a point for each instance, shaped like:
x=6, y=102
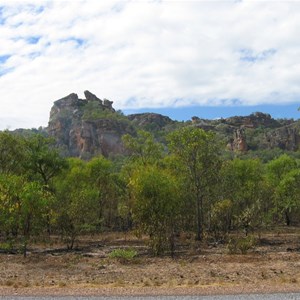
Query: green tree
x=221, y=216
x=42, y=164
x=23, y=207
x=277, y=169
x=43, y=161
x=288, y=191
x=12, y=153
x=198, y=153
x=143, y=148
x=77, y=206
x=10, y=190
x=156, y=203
x=34, y=209
x=243, y=183
x=106, y=182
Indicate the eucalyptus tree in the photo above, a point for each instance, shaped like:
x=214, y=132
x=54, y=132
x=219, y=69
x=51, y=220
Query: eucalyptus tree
x=244, y=185
x=106, y=181
x=143, y=151
x=43, y=161
x=198, y=152
x=288, y=191
x=23, y=207
x=156, y=206
x=77, y=206
x=143, y=148
x=12, y=153
x=277, y=170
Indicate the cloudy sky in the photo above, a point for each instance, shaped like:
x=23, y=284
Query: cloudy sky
x=148, y=55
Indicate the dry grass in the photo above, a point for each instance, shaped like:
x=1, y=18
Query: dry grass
x=273, y=264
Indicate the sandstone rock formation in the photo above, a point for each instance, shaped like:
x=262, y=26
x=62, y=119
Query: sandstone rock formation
x=285, y=138
x=238, y=143
x=252, y=121
x=78, y=136
x=145, y=120
x=273, y=134
x=91, y=126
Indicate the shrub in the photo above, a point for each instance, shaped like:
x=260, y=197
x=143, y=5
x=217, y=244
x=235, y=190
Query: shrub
x=123, y=255
x=241, y=244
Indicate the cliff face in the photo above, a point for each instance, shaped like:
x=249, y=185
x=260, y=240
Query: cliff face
x=150, y=122
x=91, y=126
x=285, y=138
x=87, y=127
x=263, y=132
x=254, y=132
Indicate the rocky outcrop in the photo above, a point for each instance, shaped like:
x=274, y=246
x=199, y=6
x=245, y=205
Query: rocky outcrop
x=146, y=120
x=252, y=121
x=78, y=136
x=238, y=143
x=97, y=137
x=285, y=138
x=91, y=126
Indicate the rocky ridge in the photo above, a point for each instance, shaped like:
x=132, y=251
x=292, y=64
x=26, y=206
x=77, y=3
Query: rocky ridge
x=91, y=126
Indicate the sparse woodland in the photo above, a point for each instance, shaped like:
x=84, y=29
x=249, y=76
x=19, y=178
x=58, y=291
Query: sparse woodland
x=187, y=186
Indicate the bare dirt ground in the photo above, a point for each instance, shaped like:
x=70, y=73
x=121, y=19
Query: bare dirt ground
x=272, y=266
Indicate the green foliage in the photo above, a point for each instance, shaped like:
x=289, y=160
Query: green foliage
x=23, y=206
x=221, y=217
x=282, y=175
x=7, y=246
x=241, y=245
x=109, y=188
x=156, y=202
x=123, y=255
x=77, y=205
x=159, y=191
x=265, y=155
x=277, y=168
x=287, y=193
x=12, y=153
x=243, y=183
x=93, y=110
x=43, y=162
x=198, y=153
x=143, y=148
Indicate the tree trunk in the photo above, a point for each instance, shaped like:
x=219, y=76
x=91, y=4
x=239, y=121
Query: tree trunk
x=199, y=221
x=287, y=218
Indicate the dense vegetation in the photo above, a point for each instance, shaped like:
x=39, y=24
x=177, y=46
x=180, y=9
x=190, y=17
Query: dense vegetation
x=187, y=185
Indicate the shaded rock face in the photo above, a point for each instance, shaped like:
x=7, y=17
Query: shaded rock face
x=275, y=134
x=147, y=119
x=96, y=137
x=252, y=121
x=86, y=138
x=286, y=137
x=238, y=143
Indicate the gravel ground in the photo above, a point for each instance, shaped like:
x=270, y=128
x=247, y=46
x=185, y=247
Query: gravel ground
x=271, y=267
x=286, y=296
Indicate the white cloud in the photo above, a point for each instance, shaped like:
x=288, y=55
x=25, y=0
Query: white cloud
x=146, y=54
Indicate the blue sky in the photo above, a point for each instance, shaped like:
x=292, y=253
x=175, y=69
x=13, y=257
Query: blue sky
x=180, y=58
x=289, y=111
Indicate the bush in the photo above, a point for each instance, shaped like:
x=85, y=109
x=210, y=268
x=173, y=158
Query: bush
x=123, y=255
x=6, y=246
x=241, y=244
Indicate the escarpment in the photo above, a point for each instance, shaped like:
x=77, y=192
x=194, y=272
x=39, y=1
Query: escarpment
x=91, y=126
